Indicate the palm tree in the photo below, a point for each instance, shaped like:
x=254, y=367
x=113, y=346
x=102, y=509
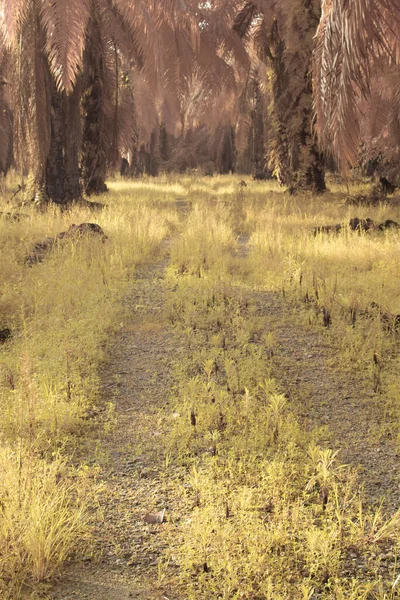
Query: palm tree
x=281, y=36
x=68, y=49
x=46, y=40
x=356, y=45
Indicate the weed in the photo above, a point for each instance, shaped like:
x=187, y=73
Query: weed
x=60, y=313
x=273, y=515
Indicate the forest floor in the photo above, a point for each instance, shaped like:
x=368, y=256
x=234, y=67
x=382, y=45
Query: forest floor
x=135, y=559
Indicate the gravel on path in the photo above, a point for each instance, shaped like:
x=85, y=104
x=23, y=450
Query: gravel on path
x=136, y=479
x=340, y=402
x=127, y=558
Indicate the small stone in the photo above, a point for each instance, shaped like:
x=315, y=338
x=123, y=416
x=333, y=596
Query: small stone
x=156, y=518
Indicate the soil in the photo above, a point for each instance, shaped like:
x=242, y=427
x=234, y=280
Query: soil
x=339, y=402
x=127, y=561
x=127, y=558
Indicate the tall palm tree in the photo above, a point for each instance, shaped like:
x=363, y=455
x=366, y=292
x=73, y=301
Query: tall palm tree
x=281, y=33
x=356, y=43
x=46, y=40
x=63, y=46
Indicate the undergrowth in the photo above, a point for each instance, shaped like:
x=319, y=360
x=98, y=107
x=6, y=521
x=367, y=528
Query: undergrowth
x=346, y=282
x=273, y=514
x=61, y=313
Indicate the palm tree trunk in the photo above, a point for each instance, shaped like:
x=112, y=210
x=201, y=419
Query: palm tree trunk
x=73, y=141
x=258, y=134
x=153, y=158
x=94, y=161
x=310, y=171
x=62, y=178
x=33, y=106
x=315, y=174
x=294, y=153
x=280, y=156
x=55, y=168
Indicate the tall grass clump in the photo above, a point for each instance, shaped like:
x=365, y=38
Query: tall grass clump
x=43, y=518
x=200, y=248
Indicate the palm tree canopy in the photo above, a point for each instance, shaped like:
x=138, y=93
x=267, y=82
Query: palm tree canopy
x=355, y=40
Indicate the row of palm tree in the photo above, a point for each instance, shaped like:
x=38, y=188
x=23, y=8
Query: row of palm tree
x=64, y=59
x=86, y=82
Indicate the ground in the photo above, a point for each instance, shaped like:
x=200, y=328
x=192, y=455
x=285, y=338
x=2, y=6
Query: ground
x=127, y=551
x=134, y=559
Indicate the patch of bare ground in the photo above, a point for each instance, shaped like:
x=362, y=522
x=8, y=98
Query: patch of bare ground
x=340, y=403
x=128, y=559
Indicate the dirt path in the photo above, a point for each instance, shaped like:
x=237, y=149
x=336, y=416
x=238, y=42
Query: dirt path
x=126, y=559
x=340, y=402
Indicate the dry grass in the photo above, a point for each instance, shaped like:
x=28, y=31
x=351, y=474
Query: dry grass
x=273, y=515
x=62, y=312
x=259, y=526
x=351, y=275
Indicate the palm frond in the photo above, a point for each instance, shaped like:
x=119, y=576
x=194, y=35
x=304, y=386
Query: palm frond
x=352, y=38
x=65, y=23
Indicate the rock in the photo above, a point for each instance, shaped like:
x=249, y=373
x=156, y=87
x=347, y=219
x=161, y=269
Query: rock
x=5, y=335
x=156, y=518
x=357, y=224
x=75, y=231
x=83, y=229
x=388, y=224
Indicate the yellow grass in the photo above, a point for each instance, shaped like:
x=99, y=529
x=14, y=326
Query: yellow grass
x=257, y=528
x=61, y=313
x=255, y=476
